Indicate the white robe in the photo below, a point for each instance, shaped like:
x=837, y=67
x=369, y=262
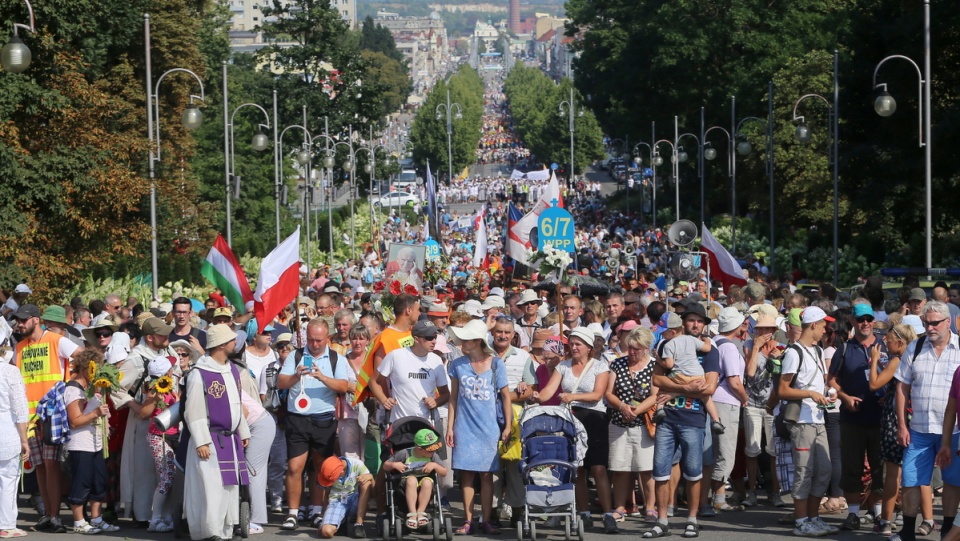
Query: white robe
x=138, y=475
x=212, y=508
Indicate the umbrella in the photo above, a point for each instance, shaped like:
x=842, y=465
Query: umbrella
x=196, y=305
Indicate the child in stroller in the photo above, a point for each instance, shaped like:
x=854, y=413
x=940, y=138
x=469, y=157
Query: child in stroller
x=417, y=467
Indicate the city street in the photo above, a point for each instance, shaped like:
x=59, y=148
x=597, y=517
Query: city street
x=755, y=524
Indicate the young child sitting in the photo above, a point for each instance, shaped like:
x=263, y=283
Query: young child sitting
x=680, y=362
x=416, y=464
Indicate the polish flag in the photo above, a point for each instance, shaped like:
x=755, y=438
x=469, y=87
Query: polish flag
x=519, y=232
x=723, y=266
x=279, y=282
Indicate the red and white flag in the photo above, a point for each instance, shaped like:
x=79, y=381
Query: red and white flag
x=518, y=236
x=279, y=281
x=723, y=266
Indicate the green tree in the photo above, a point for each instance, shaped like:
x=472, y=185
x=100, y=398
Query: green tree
x=377, y=38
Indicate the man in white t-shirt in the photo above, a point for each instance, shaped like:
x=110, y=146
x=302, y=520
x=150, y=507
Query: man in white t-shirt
x=803, y=378
x=416, y=376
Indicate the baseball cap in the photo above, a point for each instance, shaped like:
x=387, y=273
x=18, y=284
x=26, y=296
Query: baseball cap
x=425, y=329
x=672, y=321
x=156, y=326
x=23, y=288
x=27, y=311
x=793, y=317
x=627, y=326
x=862, y=309
x=917, y=294
x=427, y=440
x=223, y=311
x=813, y=314
x=331, y=470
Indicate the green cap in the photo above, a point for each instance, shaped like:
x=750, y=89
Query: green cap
x=793, y=317
x=54, y=313
x=427, y=439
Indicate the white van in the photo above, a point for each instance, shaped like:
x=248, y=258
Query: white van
x=407, y=180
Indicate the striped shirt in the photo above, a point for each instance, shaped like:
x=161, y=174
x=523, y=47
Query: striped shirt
x=930, y=379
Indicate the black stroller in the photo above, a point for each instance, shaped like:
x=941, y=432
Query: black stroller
x=399, y=437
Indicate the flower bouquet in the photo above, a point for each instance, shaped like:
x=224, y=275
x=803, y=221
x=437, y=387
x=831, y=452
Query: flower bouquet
x=103, y=379
x=388, y=292
x=552, y=262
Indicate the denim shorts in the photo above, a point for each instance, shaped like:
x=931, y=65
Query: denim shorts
x=670, y=439
x=918, y=461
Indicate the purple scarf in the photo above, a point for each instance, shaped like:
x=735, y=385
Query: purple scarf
x=233, y=462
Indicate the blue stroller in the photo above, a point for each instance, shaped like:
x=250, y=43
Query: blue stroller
x=553, y=444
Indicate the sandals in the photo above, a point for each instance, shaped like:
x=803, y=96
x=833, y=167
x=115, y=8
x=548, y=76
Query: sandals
x=832, y=509
x=658, y=530
x=412, y=521
x=691, y=530
x=619, y=516
x=489, y=529
x=651, y=516
x=11, y=533
x=926, y=528
x=466, y=529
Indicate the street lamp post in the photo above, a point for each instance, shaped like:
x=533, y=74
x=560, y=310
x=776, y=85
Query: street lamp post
x=885, y=105
x=682, y=157
x=259, y=143
x=570, y=107
x=15, y=56
x=658, y=160
x=304, y=157
x=191, y=119
x=448, y=108
x=802, y=135
x=710, y=154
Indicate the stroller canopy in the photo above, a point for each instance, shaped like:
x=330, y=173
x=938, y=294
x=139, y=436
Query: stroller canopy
x=404, y=429
x=554, y=419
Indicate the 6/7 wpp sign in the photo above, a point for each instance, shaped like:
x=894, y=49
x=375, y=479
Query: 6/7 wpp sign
x=556, y=228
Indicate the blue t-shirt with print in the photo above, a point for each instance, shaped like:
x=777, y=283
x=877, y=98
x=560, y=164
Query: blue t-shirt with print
x=682, y=410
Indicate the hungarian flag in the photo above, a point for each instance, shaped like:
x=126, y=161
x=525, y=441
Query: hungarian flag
x=723, y=266
x=224, y=271
x=279, y=282
x=480, y=259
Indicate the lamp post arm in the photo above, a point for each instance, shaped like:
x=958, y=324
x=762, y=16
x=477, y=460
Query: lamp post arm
x=805, y=96
x=31, y=28
x=745, y=119
x=920, y=99
x=156, y=101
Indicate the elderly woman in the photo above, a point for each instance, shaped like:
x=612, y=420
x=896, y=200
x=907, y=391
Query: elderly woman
x=630, y=395
x=475, y=380
x=186, y=355
x=349, y=432
x=582, y=382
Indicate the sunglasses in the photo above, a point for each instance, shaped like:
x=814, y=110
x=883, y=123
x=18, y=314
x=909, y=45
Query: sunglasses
x=865, y=319
x=504, y=318
x=933, y=323
x=183, y=355
x=104, y=334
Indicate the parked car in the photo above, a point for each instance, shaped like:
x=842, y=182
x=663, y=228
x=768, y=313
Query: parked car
x=396, y=199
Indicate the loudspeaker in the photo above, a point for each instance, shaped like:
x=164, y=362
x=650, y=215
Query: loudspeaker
x=628, y=249
x=682, y=232
x=613, y=263
x=683, y=266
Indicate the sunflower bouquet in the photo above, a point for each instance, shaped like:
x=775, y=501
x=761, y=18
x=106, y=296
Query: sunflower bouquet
x=162, y=386
x=103, y=379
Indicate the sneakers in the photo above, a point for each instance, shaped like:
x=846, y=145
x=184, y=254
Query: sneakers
x=290, y=523
x=808, y=529
x=43, y=525
x=359, y=532
x=852, y=522
x=277, y=506
x=776, y=501
x=610, y=523
x=255, y=528
x=587, y=520
x=105, y=526
x=706, y=511
x=85, y=528
x=445, y=504
x=824, y=526
x=750, y=500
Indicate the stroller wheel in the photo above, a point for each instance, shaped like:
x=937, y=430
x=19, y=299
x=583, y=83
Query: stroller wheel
x=244, y=519
x=580, y=530
x=566, y=529
x=533, y=531
x=519, y=530
x=448, y=528
x=398, y=534
x=435, y=528
x=385, y=532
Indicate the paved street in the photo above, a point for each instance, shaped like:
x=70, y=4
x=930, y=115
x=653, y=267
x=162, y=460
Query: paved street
x=757, y=524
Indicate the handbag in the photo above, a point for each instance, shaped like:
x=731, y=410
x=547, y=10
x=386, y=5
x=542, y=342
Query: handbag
x=512, y=449
x=501, y=420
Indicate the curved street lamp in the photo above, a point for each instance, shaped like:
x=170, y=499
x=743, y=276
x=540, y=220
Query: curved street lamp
x=304, y=157
x=803, y=134
x=885, y=105
x=15, y=56
x=448, y=110
x=260, y=142
x=710, y=154
x=191, y=118
x=568, y=108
